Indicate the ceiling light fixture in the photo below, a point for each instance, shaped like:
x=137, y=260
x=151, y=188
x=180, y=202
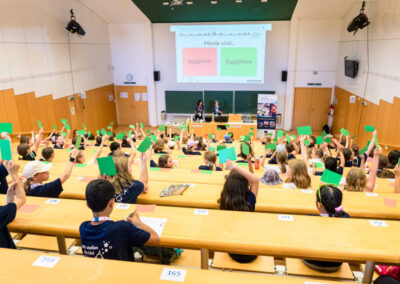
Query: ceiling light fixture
x=238, y=1
x=189, y=2
x=264, y=1
x=214, y=2
x=165, y=3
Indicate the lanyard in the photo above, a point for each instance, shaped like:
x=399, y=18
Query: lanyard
x=100, y=219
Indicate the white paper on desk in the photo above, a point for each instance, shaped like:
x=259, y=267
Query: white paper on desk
x=137, y=97
x=200, y=212
x=391, y=179
x=378, y=223
x=157, y=224
x=306, y=191
x=371, y=194
x=144, y=97
x=285, y=217
x=122, y=206
x=46, y=261
x=52, y=201
x=173, y=274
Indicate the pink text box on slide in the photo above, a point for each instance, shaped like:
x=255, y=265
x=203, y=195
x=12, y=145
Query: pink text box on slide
x=199, y=61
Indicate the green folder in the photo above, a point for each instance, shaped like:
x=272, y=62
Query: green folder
x=363, y=150
x=176, y=138
x=103, y=131
x=106, y=166
x=227, y=154
x=81, y=132
x=318, y=165
x=319, y=140
x=67, y=126
x=109, y=133
x=5, y=147
x=304, y=130
x=279, y=134
x=146, y=143
x=211, y=149
x=78, y=142
x=328, y=139
x=221, y=147
x=245, y=149
x=369, y=128
x=6, y=127
x=54, y=126
x=271, y=146
x=246, y=138
x=331, y=177
x=39, y=124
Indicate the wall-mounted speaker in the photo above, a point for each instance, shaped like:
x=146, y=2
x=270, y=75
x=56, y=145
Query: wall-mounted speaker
x=284, y=76
x=156, y=76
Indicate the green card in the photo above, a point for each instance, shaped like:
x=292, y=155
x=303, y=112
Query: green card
x=328, y=139
x=227, y=154
x=206, y=172
x=67, y=126
x=162, y=128
x=318, y=165
x=141, y=125
x=227, y=126
x=369, y=128
x=230, y=134
x=221, y=147
x=146, y=143
x=64, y=134
x=211, y=149
x=251, y=128
x=112, y=123
x=131, y=126
x=123, y=133
x=210, y=136
x=88, y=133
x=98, y=133
x=109, y=133
x=246, y=138
x=103, y=131
x=119, y=136
x=176, y=138
x=288, y=138
x=241, y=138
x=109, y=127
x=106, y=166
x=154, y=169
x=323, y=134
x=307, y=142
x=130, y=134
x=363, y=150
x=376, y=141
x=271, y=146
x=68, y=150
x=181, y=156
x=54, y=126
x=78, y=142
x=64, y=120
x=5, y=147
x=81, y=132
x=245, y=149
x=275, y=140
x=398, y=162
x=280, y=134
x=153, y=138
x=46, y=162
x=218, y=128
x=319, y=140
x=148, y=131
x=269, y=134
x=294, y=137
x=83, y=125
x=6, y=127
x=344, y=132
x=304, y=130
x=39, y=124
x=331, y=177
x=251, y=134
x=81, y=165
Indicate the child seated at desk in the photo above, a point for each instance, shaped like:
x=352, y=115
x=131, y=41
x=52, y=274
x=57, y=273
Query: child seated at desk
x=210, y=160
x=15, y=199
x=48, y=154
x=24, y=150
x=103, y=238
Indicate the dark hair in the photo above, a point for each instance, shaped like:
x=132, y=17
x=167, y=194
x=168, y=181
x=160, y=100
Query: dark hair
x=91, y=137
x=24, y=139
x=125, y=142
x=393, y=157
x=289, y=148
x=22, y=149
x=198, y=102
x=233, y=195
x=346, y=154
x=98, y=193
x=47, y=153
x=74, y=133
x=331, y=198
x=98, y=139
x=331, y=164
x=114, y=146
x=355, y=150
x=162, y=161
x=383, y=161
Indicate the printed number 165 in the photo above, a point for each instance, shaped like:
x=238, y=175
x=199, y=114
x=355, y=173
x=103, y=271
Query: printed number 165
x=174, y=273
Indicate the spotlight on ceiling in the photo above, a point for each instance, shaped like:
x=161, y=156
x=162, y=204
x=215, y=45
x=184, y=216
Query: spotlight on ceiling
x=359, y=22
x=74, y=27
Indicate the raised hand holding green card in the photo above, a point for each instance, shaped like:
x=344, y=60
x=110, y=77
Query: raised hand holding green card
x=6, y=127
x=331, y=177
x=328, y=139
x=67, y=126
x=162, y=128
x=376, y=141
x=245, y=149
x=227, y=154
x=141, y=125
x=304, y=130
x=106, y=166
x=307, y=142
x=369, y=128
x=119, y=136
x=54, y=126
x=246, y=138
x=81, y=132
x=271, y=146
x=319, y=140
x=39, y=124
x=64, y=120
x=103, y=131
x=83, y=125
x=5, y=147
x=146, y=143
x=176, y=138
x=78, y=142
x=279, y=134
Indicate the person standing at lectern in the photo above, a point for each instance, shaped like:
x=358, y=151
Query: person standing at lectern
x=199, y=110
x=217, y=110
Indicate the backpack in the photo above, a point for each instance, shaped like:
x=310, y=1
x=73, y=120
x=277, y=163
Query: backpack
x=392, y=271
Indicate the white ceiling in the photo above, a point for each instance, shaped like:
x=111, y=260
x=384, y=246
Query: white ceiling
x=125, y=11
x=116, y=11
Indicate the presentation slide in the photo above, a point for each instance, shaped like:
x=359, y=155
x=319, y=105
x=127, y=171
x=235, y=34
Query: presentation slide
x=220, y=53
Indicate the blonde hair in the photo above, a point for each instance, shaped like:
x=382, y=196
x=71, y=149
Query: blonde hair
x=282, y=159
x=299, y=176
x=185, y=139
x=27, y=184
x=356, y=180
x=123, y=178
x=211, y=159
x=159, y=146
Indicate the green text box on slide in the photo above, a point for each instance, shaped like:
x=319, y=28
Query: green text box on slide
x=239, y=61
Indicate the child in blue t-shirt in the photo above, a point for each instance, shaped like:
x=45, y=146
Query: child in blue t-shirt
x=15, y=199
x=24, y=149
x=210, y=160
x=103, y=238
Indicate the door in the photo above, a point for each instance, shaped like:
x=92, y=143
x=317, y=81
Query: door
x=310, y=107
x=132, y=105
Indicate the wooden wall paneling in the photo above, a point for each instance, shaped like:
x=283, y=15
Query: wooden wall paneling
x=61, y=110
x=3, y=109
x=24, y=112
x=11, y=109
x=51, y=115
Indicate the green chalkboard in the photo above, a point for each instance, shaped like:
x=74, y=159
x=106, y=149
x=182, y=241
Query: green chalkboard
x=224, y=98
x=246, y=101
x=182, y=101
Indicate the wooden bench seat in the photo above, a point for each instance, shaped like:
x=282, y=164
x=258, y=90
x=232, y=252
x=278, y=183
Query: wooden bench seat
x=45, y=243
x=263, y=264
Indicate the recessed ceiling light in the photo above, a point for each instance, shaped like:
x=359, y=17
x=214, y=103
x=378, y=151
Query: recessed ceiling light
x=214, y=2
x=239, y=1
x=264, y=1
x=165, y=3
x=189, y=3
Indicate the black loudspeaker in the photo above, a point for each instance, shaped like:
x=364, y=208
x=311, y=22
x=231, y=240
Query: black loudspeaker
x=156, y=75
x=284, y=76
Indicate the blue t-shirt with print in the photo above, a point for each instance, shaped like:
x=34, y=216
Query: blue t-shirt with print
x=3, y=179
x=7, y=215
x=111, y=240
x=131, y=193
x=51, y=189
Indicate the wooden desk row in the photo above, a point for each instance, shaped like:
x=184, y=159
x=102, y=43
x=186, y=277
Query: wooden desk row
x=275, y=200
x=16, y=267
x=318, y=238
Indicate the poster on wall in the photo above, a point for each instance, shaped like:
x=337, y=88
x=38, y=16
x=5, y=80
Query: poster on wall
x=266, y=111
